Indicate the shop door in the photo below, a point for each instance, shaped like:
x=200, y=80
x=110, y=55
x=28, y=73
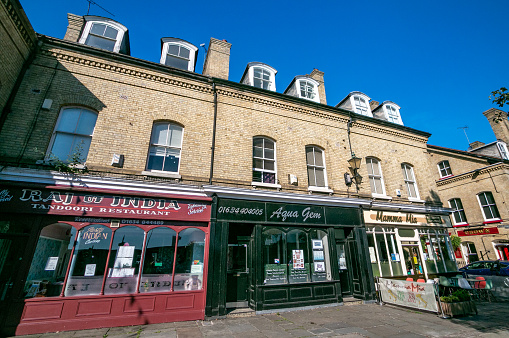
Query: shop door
x=237, y=272
x=12, y=249
x=355, y=266
x=412, y=260
x=344, y=269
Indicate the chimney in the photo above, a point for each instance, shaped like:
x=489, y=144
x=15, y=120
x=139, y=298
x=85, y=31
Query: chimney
x=74, y=28
x=318, y=76
x=373, y=104
x=499, y=123
x=475, y=145
x=217, y=62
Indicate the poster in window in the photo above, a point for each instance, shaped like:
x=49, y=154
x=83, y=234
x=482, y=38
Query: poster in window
x=372, y=254
x=197, y=268
x=319, y=266
x=90, y=270
x=342, y=263
x=121, y=272
x=395, y=257
x=317, y=244
x=318, y=255
x=51, y=264
x=298, y=259
x=124, y=257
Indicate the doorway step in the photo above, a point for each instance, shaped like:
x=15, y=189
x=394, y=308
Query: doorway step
x=243, y=312
x=347, y=301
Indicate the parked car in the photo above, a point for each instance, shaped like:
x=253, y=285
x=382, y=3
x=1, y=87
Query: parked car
x=492, y=268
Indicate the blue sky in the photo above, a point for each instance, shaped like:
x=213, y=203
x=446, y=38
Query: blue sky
x=438, y=60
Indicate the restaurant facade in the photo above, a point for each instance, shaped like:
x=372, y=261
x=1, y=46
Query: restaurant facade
x=89, y=257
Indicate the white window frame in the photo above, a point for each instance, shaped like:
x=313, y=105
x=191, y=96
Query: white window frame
x=90, y=20
x=325, y=188
x=263, y=158
x=358, y=108
x=502, y=148
x=489, y=206
x=163, y=172
x=373, y=176
x=410, y=180
x=458, y=210
x=49, y=155
x=447, y=169
x=272, y=74
x=181, y=43
x=311, y=83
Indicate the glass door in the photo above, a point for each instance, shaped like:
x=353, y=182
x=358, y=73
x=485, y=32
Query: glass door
x=412, y=259
x=344, y=271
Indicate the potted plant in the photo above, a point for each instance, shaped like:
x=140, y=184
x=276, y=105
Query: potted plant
x=458, y=303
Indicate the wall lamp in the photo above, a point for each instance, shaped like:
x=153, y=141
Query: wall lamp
x=355, y=165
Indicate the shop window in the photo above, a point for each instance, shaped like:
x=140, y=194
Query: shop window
x=189, y=263
x=429, y=256
x=320, y=269
x=447, y=252
x=264, y=161
x=49, y=264
x=274, y=256
x=488, y=206
x=375, y=176
x=124, y=262
x=458, y=214
x=444, y=169
x=158, y=264
x=165, y=147
x=89, y=261
x=410, y=183
x=316, y=167
x=72, y=135
x=372, y=255
x=384, y=256
x=298, y=257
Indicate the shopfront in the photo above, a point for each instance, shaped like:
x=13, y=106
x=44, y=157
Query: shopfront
x=283, y=255
x=85, y=259
x=408, y=244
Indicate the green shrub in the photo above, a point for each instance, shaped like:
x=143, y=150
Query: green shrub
x=456, y=296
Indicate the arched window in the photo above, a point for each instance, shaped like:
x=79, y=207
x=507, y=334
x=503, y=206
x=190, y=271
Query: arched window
x=105, y=34
x=316, y=167
x=165, y=147
x=444, y=169
x=410, y=183
x=488, y=206
x=189, y=264
x=375, y=176
x=179, y=54
x=73, y=134
x=264, y=160
x=260, y=75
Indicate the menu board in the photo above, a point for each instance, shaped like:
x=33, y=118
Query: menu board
x=275, y=274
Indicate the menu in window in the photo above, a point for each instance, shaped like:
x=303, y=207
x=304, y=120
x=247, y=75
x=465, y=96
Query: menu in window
x=124, y=257
x=51, y=264
x=90, y=270
x=275, y=274
x=298, y=259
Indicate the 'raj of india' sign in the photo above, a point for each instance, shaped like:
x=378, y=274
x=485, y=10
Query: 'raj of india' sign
x=403, y=218
x=476, y=232
x=77, y=203
x=411, y=294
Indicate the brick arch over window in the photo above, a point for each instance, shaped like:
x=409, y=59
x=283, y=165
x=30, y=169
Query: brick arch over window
x=87, y=101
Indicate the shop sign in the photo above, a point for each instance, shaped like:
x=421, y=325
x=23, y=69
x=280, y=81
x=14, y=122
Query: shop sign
x=477, y=232
x=410, y=294
x=240, y=210
x=403, y=218
x=77, y=203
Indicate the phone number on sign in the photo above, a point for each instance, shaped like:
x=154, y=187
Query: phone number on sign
x=242, y=211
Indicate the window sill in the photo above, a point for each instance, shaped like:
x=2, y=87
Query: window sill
x=418, y=200
x=161, y=174
x=460, y=225
x=320, y=189
x=266, y=185
x=445, y=177
x=382, y=197
x=498, y=220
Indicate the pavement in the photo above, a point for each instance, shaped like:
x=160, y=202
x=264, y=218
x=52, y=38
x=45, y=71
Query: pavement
x=360, y=320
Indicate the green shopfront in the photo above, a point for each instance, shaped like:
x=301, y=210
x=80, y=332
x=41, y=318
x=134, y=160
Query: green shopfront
x=270, y=255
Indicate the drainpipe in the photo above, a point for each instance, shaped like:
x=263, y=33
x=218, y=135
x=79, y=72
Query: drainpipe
x=213, y=147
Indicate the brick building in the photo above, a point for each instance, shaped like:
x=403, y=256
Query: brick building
x=140, y=192
x=474, y=184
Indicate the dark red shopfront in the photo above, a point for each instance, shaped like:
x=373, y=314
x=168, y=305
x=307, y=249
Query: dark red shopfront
x=87, y=259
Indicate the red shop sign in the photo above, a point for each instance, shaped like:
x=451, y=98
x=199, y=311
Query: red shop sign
x=77, y=203
x=477, y=232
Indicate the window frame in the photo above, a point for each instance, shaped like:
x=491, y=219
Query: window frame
x=49, y=151
x=163, y=172
x=458, y=210
x=410, y=181
x=249, y=79
x=447, y=169
x=374, y=176
x=276, y=182
x=193, y=51
x=358, y=108
x=325, y=188
x=310, y=82
x=502, y=148
x=488, y=220
x=90, y=20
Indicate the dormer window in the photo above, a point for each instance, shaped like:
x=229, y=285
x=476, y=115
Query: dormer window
x=259, y=75
x=357, y=102
x=305, y=88
x=104, y=34
x=179, y=54
x=392, y=114
x=503, y=150
x=388, y=111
